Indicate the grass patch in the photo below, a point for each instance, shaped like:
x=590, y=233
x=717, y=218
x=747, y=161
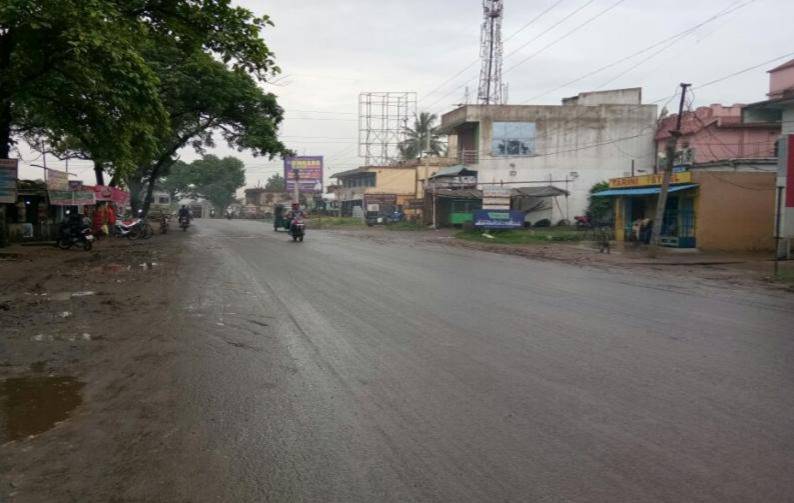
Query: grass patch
x=522, y=236
x=785, y=276
x=407, y=225
x=333, y=222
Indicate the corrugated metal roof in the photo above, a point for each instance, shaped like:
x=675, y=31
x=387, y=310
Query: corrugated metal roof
x=642, y=191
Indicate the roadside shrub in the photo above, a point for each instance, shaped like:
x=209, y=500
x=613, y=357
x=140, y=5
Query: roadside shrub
x=543, y=223
x=563, y=223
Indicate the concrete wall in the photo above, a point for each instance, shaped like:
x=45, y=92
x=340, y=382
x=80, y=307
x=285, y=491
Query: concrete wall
x=400, y=181
x=571, y=141
x=715, y=133
x=632, y=96
x=735, y=211
x=780, y=81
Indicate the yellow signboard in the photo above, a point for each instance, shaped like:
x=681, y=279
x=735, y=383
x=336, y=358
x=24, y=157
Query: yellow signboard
x=643, y=180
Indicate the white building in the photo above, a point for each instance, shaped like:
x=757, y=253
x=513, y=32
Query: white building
x=588, y=139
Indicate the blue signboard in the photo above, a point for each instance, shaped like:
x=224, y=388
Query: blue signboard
x=498, y=219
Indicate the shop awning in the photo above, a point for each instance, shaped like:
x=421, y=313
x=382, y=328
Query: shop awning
x=642, y=191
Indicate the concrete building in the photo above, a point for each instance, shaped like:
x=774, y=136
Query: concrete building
x=401, y=186
x=717, y=206
x=779, y=109
x=588, y=139
x=715, y=133
x=384, y=187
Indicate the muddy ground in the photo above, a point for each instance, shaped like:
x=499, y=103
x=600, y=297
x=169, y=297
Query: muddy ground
x=88, y=352
x=79, y=358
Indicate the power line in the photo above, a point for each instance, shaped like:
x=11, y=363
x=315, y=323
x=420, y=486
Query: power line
x=566, y=35
x=674, y=39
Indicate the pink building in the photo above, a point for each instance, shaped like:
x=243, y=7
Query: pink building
x=781, y=81
x=716, y=133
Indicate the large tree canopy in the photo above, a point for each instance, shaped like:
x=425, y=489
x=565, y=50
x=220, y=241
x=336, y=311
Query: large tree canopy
x=71, y=67
x=128, y=83
x=211, y=178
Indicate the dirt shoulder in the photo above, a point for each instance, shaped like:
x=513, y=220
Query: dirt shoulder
x=732, y=270
x=79, y=366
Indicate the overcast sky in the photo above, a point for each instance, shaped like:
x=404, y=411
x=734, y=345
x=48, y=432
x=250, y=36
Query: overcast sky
x=331, y=50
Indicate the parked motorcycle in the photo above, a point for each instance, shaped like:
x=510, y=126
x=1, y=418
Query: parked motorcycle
x=69, y=236
x=130, y=229
x=297, y=229
x=184, y=223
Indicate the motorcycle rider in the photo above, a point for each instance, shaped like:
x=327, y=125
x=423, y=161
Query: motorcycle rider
x=295, y=213
x=184, y=213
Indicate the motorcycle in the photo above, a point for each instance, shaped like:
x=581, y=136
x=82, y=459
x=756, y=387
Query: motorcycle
x=184, y=223
x=297, y=229
x=130, y=229
x=72, y=236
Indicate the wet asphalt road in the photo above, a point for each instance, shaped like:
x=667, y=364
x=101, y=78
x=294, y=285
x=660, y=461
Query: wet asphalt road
x=347, y=369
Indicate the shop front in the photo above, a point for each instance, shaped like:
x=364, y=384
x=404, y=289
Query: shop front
x=635, y=201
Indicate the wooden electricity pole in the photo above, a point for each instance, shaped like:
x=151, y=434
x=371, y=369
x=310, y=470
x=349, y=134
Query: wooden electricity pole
x=667, y=174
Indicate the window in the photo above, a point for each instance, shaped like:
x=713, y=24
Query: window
x=513, y=138
x=163, y=200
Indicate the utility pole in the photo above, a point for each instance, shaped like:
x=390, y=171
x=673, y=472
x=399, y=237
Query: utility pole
x=672, y=142
x=295, y=188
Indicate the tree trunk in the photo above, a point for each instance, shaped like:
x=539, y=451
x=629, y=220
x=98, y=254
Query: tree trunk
x=99, y=171
x=135, y=187
x=6, y=45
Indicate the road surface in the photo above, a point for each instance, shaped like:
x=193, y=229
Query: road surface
x=351, y=369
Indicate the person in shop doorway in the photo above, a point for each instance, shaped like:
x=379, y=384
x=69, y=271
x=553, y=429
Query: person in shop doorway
x=101, y=220
x=111, y=218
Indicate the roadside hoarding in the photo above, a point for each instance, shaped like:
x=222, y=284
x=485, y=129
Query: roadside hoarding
x=496, y=198
x=8, y=180
x=57, y=180
x=643, y=180
x=498, y=219
x=309, y=170
x=105, y=193
x=71, y=197
x=379, y=202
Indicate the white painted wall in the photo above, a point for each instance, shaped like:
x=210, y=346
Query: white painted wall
x=575, y=142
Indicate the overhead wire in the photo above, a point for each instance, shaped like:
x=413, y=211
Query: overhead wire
x=527, y=25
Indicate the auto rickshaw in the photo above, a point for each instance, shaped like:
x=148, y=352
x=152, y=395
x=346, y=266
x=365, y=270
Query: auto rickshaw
x=280, y=220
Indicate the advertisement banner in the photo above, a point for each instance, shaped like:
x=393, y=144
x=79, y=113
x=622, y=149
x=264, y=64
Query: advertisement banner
x=309, y=170
x=8, y=180
x=71, y=197
x=105, y=193
x=643, y=180
x=498, y=219
x=57, y=180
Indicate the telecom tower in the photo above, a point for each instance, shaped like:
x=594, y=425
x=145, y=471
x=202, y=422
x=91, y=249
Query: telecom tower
x=491, y=90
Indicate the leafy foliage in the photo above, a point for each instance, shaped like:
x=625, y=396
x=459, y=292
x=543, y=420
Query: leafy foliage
x=276, y=183
x=599, y=209
x=423, y=137
x=214, y=179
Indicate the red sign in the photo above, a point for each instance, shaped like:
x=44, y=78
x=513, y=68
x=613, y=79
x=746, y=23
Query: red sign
x=790, y=173
x=105, y=193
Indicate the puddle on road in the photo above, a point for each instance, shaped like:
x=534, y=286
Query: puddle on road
x=32, y=405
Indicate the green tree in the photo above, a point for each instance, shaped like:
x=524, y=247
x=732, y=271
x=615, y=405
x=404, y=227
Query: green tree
x=276, y=183
x=215, y=180
x=70, y=67
x=599, y=209
x=423, y=137
x=178, y=179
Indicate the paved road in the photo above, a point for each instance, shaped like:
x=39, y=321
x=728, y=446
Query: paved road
x=347, y=369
